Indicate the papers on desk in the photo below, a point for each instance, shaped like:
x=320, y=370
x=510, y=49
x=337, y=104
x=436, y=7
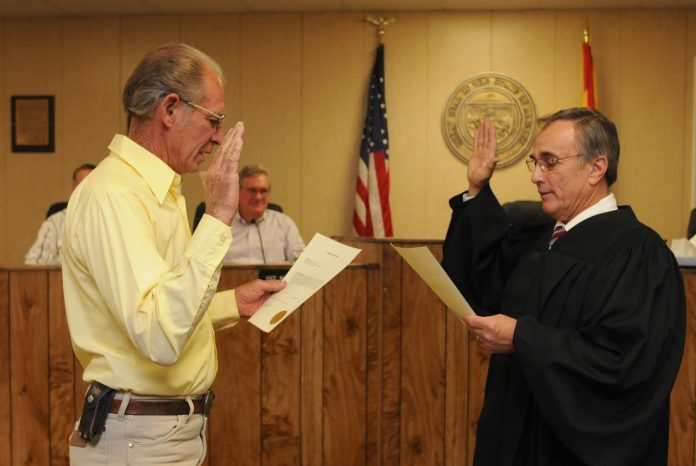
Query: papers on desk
x=685, y=251
x=321, y=260
x=430, y=270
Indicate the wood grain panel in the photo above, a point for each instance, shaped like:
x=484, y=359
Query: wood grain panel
x=423, y=373
x=345, y=336
x=478, y=370
x=61, y=372
x=312, y=379
x=236, y=416
x=325, y=388
x=682, y=441
x=374, y=362
x=29, y=368
x=280, y=393
x=456, y=406
x=391, y=357
x=5, y=408
x=457, y=370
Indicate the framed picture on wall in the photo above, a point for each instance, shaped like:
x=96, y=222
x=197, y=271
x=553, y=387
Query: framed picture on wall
x=33, y=123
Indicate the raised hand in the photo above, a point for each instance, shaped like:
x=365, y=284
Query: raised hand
x=221, y=179
x=483, y=158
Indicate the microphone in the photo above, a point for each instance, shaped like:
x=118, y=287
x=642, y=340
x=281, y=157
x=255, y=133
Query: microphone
x=258, y=230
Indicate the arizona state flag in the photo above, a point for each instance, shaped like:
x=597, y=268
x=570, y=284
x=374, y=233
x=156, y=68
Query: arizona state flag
x=589, y=96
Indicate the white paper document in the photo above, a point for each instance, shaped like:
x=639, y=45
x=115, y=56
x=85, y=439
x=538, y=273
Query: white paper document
x=429, y=269
x=321, y=260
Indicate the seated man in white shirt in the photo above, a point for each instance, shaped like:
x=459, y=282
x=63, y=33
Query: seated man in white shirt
x=261, y=235
x=47, y=246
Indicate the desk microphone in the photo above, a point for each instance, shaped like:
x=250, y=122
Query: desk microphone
x=258, y=230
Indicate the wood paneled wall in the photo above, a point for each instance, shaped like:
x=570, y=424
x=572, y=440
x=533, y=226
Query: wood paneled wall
x=372, y=370
x=299, y=82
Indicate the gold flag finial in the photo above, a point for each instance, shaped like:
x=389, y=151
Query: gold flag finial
x=586, y=34
x=381, y=22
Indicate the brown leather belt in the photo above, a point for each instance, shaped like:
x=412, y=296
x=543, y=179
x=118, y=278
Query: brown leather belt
x=158, y=408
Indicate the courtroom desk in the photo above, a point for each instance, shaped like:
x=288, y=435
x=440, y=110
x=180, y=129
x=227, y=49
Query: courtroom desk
x=303, y=394
x=372, y=370
x=433, y=374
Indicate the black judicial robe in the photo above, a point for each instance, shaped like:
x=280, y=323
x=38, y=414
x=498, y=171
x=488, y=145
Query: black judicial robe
x=601, y=321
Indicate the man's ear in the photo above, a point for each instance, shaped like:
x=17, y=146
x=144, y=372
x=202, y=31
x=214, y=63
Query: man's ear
x=598, y=168
x=166, y=109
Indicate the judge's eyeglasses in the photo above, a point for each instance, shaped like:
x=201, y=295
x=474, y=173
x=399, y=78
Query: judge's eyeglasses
x=546, y=162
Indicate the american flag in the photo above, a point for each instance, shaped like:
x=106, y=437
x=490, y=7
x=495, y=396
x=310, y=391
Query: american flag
x=372, y=212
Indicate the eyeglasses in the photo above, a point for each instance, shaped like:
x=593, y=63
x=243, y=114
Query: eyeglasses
x=255, y=192
x=215, y=121
x=547, y=162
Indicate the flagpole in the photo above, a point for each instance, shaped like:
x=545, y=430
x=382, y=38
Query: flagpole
x=380, y=22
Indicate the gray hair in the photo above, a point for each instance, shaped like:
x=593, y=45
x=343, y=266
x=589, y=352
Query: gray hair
x=171, y=68
x=252, y=170
x=596, y=135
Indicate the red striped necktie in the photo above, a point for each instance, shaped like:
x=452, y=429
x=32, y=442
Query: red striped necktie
x=557, y=233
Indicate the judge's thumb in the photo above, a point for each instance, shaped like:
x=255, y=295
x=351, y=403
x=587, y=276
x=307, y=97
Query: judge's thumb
x=472, y=321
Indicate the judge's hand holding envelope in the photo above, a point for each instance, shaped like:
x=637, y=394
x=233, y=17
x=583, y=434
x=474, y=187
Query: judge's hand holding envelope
x=493, y=333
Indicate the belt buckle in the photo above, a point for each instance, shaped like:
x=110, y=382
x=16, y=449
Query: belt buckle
x=208, y=402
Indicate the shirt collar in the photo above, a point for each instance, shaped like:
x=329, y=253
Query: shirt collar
x=606, y=204
x=239, y=218
x=157, y=174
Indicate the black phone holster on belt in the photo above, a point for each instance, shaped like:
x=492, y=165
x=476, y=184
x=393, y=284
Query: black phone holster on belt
x=96, y=408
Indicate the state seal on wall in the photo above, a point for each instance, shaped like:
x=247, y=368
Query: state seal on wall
x=495, y=97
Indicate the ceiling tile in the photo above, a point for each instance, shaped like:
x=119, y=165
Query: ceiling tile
x=20, y=8
x=32, y=8
x=295, y=5
x=102, y=7
x=198, y=6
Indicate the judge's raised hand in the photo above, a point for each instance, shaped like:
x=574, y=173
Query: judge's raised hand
x=483, y=158
x=493, y=333
x=251, y=295
x=221, y=179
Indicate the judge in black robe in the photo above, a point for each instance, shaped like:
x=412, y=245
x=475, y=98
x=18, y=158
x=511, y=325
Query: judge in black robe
x=587, y=336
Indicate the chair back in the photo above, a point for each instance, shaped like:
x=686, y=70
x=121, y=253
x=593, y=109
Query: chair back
x=200, y=210
x=691, y=229
x=56, y=207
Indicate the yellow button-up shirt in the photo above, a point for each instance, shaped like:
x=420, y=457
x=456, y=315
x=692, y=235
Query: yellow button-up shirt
x=139, y=288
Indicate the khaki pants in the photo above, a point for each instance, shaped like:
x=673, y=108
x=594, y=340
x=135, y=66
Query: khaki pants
x=145, y=440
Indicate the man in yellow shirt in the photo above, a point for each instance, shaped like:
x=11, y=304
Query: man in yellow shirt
x=140, y=289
